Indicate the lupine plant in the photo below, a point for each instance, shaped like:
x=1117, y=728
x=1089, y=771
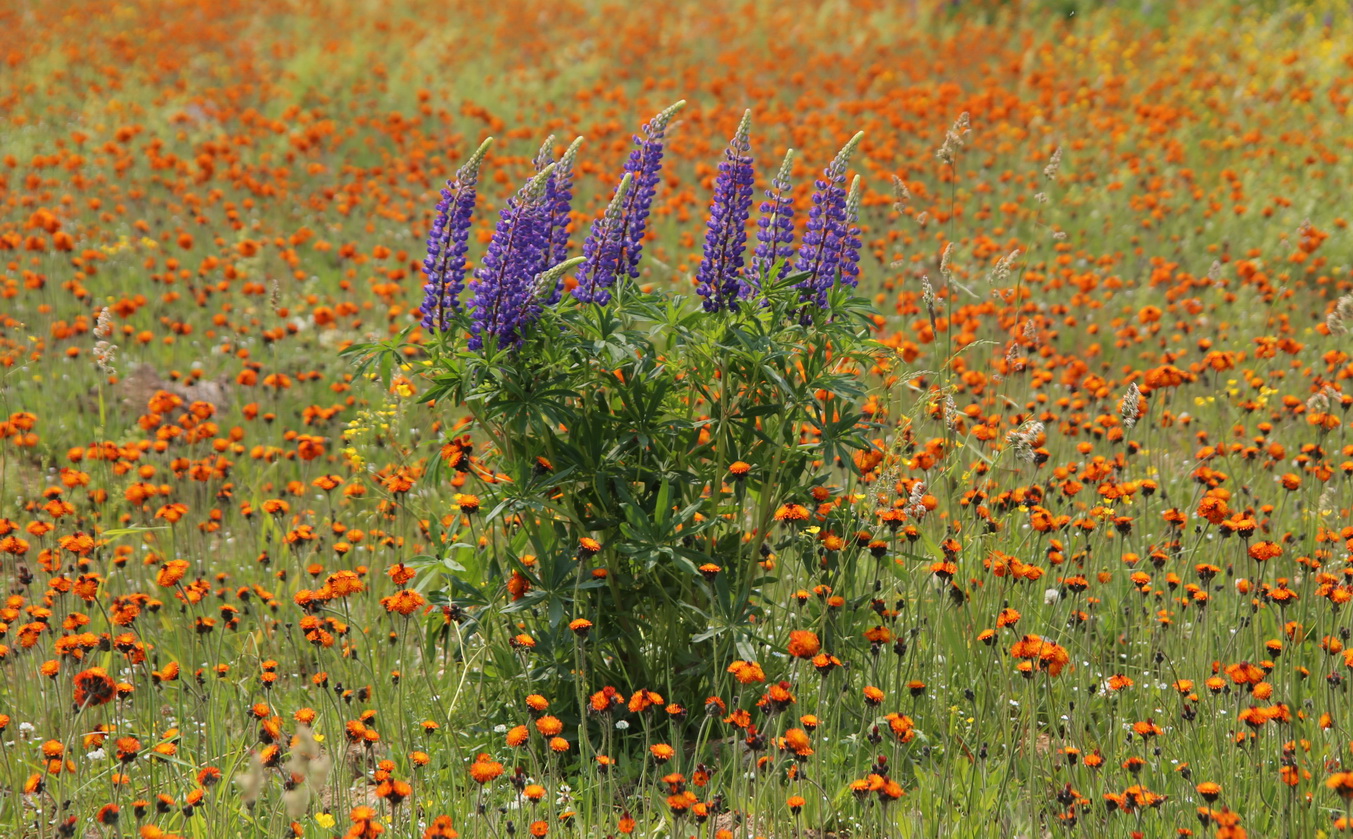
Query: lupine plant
x=639, y=437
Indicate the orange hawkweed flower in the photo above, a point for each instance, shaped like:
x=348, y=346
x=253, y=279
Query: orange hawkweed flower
x=127, y=749
x=804, y=644
x=797, y=741
x=107, y=815
x=902, y=727
x=404, y=602
x=662, y=752
x=1045, y=654
x=641, y=700
x=485, y=769
x=518, y=585
x=792, y=513
x=171, y=573
x=94, y=687
x=747, y=672
x=1342, y=784
x=549, y=726
x=1209, y=791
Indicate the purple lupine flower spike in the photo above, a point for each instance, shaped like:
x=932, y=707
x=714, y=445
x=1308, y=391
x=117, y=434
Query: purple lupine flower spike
x=644, y=167
x=557, y=206
x=775, y=232
x=645, y=163
x=449, y=243
x=825, y=233
x=718, y=279
x=601, y=249
x=504, y=302
x=850, y=245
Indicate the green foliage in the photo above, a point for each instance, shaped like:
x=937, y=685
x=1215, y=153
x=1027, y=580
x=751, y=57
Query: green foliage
x=619, y=423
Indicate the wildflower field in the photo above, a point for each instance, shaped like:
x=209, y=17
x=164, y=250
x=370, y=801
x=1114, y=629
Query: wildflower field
x=801, y=419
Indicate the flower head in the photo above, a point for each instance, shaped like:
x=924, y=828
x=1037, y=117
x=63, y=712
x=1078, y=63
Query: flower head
x=485, y=769
x=94, y=687
x=555, y=208
x=614, y=245
x=505, y=300
x=448, y=244
x=825, y=235
x=718, y=280
x=775, y=230
x=601, y=249
x=804, y=644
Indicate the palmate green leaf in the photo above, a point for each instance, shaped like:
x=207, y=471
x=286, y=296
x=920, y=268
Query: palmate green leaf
x=690, y=560
x=708, y=634
x=469, y=593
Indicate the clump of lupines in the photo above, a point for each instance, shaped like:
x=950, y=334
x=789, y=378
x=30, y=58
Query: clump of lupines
x=719, y=281
x=519, y=274
x=824, y=238
x=775, y=230
x=604, y=264
x=449, y=244
x=504, y=292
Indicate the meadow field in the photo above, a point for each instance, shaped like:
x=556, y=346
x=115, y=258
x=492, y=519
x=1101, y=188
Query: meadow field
x=435, y=419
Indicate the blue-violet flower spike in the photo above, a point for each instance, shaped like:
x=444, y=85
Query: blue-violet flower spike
x=774, y=231
x=601, y=249
x=449, y=243
x=850, y=246
x=718, y=279
x=504, y=302
x=825, y=233
x=645, y=164
x=557, y=206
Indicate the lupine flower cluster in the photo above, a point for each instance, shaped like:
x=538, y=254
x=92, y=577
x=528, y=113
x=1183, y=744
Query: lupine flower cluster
x=615, y=243
x=518, y=275
x=645, y=164
x=448, y=244
x=825, y=236
x=504, y=299
x=850, y=243
x=775, y=230
x=718, y=279
x=556, y=206
x=601, y=249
